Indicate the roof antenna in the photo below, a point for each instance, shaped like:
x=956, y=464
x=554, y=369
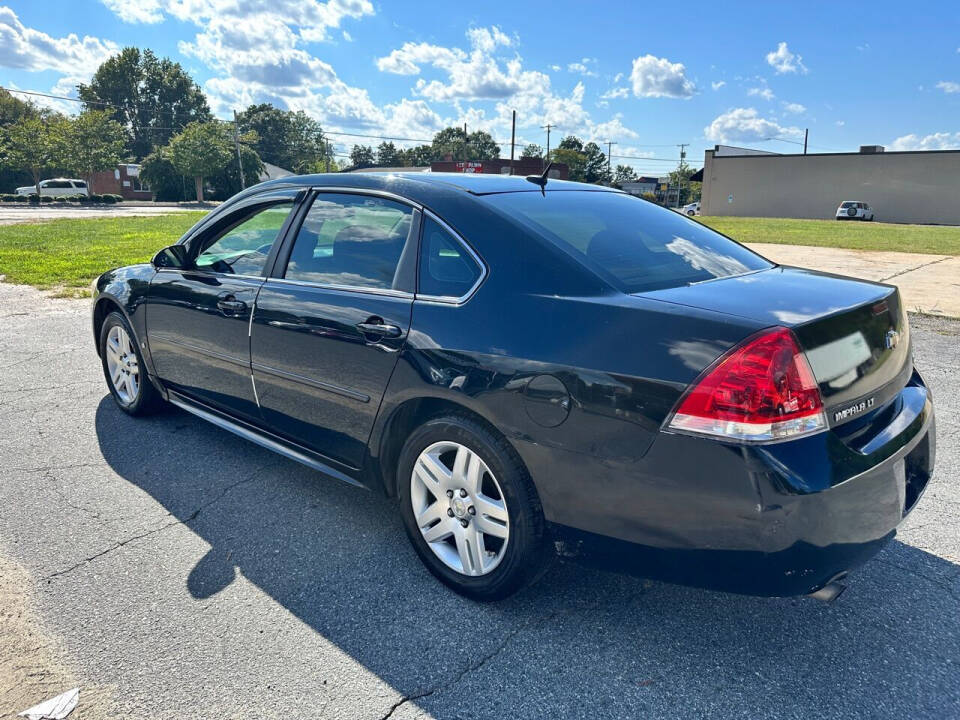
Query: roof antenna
x=541, y=180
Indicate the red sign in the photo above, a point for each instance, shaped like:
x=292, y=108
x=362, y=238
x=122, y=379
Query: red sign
x=470, y=166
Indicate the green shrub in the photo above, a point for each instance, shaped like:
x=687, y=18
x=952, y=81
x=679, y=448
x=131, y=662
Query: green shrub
x=60, y=199
x=46, y=199
x=111, y=198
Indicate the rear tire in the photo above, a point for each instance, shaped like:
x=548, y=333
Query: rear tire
x=450, y=472
x=124, y=370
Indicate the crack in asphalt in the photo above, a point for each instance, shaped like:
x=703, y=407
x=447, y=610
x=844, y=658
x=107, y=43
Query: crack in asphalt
x=186, y=521
x=918, y=267
x=500, y=647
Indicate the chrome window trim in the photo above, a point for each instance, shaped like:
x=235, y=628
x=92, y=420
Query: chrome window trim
x=389, y=292
x=448, y=300
x=367, y=191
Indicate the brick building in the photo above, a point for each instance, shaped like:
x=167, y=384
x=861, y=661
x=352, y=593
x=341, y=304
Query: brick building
x=123, y=180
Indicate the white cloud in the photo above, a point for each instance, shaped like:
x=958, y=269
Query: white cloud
x=583, y=67
x=614, y=129
x=840, y=123
x=24, y=48
x=408, y=59
x=312, y=17
x=616, y=93
x=347, y=36
x=744, y=125
x=764, y=92
x=935, y=141
x=794, y=108
x=658, y=77
x=717, y=84
x=488, y=39
x=556, y=68
x=784, y=61
x=949, y=87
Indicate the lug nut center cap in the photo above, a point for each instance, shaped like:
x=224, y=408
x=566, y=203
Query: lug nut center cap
x=459, y=507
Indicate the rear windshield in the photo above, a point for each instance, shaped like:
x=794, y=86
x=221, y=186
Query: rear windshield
x=848, y=205
x=636, y=245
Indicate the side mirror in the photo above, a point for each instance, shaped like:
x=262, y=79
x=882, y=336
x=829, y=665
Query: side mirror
x=174, y=257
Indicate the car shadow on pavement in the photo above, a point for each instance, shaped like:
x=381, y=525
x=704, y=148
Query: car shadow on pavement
x=605, y=644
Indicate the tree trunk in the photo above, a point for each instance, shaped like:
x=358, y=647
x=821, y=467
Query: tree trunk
x=198, y=181
x=36, y=181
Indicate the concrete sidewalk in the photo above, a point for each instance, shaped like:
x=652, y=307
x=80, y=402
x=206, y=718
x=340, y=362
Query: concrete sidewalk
x=928, y=283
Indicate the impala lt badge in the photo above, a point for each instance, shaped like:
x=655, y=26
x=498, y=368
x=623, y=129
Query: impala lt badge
x=854, y=409
x=892, y=339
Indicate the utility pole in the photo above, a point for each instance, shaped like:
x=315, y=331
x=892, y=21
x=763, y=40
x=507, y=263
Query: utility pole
x=610, y=159
x=806, y=133
x=547, y=127
x=325, y=148
x=236, y=143
x=513, y=139
x=683, y=157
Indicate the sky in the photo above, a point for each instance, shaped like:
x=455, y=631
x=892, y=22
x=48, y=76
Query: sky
x=646, y=76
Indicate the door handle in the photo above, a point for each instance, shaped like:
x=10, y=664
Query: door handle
x=379, y=328
x=231, y=306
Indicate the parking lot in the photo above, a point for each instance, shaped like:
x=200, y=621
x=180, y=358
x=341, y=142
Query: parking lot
x=171, y=570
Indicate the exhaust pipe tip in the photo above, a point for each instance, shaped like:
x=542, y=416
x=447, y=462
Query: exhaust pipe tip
x=829, y=592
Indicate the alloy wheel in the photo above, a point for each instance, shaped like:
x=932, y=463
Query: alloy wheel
x=122, y=365
x=459, y=507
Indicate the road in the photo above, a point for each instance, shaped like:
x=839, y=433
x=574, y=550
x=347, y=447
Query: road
x=14, y=214
x=173, y=570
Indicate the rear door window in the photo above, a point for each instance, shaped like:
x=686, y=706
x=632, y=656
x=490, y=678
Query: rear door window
x=633, y=244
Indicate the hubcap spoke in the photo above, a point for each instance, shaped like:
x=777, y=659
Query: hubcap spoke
x=491, y=527
x=440, y=531
x=432, y=513
x=434, y=476
x=122, y=365
x=491, y=508
x=470, y=550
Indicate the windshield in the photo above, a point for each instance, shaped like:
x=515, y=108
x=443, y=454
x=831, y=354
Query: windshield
x=635, y=245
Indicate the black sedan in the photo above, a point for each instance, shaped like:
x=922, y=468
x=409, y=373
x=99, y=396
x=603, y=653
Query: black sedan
x=531, y=365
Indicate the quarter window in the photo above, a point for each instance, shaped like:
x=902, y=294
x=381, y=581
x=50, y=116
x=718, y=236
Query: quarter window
x=243, y=249
x=351, y=241
x=446, y=268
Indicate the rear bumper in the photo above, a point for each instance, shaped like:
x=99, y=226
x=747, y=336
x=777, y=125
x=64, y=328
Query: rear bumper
x=781, y=519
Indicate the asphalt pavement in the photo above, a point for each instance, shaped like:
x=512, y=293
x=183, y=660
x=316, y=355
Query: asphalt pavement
x=171, y=570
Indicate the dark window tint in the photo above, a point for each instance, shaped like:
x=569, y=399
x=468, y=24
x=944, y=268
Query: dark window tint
x=634, y=244
x=59, y=184
x=446, y=267
x=79, y=184
x=350, y=240
x=243, y=249
x=848, y=205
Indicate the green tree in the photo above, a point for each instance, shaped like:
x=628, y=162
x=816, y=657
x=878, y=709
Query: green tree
x=166, y=182
x=35, y=144
x=681, y=177
x=13, y=109
x=226, y=183
x=570, y=152
x=153, y=98
x=532, y=151
x=200, y=150
x=457, y=144
x=419, y=156
x=95, y=142
x=291, y=140
x=596, y=169
x=362, y=156
x=388, y=155
x=624, y=174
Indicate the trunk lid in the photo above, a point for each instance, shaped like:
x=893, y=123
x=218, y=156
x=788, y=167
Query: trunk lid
x=854, y=332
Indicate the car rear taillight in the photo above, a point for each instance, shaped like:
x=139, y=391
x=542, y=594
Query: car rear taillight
x=762, y=390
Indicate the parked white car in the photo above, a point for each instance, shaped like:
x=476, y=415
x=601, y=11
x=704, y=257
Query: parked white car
x=854, y=210
x=57, y=186
x=692, y=209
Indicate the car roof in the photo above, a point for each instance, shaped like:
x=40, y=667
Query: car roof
x=473, y=183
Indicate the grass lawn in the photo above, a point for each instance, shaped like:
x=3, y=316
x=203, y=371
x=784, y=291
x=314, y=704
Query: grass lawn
x=66, y=255
x=935, y=239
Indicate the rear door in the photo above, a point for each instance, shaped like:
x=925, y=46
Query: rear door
x=330, y=322
x=198, y=319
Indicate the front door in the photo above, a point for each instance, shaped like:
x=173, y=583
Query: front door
x=328, y=329
x=198, y=319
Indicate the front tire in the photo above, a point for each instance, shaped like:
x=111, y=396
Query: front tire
x=123, y=368
x=470, y=509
